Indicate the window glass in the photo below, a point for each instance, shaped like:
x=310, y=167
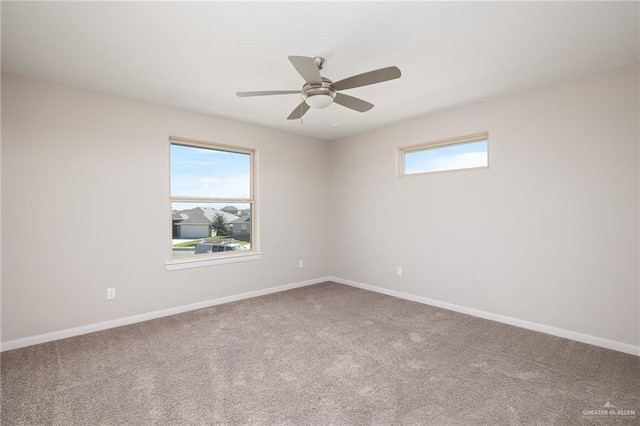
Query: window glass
x=199, y=172
x=456, y=154
x=211, y=199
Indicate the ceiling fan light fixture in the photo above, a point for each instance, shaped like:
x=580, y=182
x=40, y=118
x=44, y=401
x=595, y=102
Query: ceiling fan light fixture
x=319, y=101
x=320, y=92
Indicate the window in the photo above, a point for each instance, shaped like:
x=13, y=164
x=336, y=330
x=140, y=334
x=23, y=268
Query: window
x=469, y=152
x=212, y=201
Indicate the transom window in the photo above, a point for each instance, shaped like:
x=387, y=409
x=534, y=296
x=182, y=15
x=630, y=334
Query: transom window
x=468, y=152
x=212, y=200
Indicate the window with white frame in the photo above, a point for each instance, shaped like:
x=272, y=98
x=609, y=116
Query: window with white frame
x=212, y=200
x=468, y=152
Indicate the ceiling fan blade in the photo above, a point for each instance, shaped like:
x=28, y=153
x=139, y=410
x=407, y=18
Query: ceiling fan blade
x=307, y=68
x=268, y=93
x=352, y=103
x=371, y=77
x=299, y=111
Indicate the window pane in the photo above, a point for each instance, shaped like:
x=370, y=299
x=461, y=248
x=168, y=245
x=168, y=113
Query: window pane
x=203, y=172
x=451, y=157
x=206, y=228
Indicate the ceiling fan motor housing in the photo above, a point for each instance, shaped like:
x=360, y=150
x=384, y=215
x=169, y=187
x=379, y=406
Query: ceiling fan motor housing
x=319, y=95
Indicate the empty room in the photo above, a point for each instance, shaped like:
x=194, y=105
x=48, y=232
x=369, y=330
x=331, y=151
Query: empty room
x=320, y=213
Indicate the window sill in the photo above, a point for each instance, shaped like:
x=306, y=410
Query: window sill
x=175, y=265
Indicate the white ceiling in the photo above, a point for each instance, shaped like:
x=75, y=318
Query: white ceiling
x=195, y=56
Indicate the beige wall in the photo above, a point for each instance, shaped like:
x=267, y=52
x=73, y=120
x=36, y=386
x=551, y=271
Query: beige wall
x=548, y=234
x=75, y=160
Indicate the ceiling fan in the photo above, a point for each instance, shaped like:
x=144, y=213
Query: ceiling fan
x=320, y=92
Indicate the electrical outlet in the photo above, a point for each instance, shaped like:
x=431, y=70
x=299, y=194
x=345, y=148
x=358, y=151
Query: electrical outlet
x=300, y=264
x=399, y=271
x=111, y=293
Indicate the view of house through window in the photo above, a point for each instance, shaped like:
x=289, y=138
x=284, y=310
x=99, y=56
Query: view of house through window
x=211, y=199
x=455, y=154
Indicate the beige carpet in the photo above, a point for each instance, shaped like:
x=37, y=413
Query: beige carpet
x=325, y=354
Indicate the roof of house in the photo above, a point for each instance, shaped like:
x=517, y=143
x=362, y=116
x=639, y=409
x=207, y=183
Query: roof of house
x=179, y=216
x=243, y=219
x=203, y=216
x=230, y=209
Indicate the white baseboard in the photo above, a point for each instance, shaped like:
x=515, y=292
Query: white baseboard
x=567, y=334
x=76, y=331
